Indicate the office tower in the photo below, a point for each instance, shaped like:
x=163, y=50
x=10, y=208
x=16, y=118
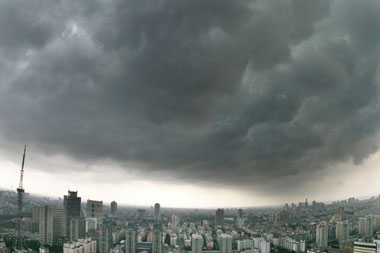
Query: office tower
x=219, y=217
x=157, y=238
x=52, y=224
x=105, y=236
x=85, y=245
x=225, y=243
x=131, y=239
x=113, y=209
x=196, y=243
x=306, y=204
x=175, y=221
x=341, y=210
x=342, y=232
x=77, y=228
x=95, y=210
x=322, y=234
x=157, y=211
x=91, y=224
x=378, y=203
x=72, y=204
x=36, y=214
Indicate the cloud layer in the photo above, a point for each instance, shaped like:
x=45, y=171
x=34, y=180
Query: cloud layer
x=259, y=94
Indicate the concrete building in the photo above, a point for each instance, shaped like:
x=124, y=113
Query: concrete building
x=113, y=209
x=36, y=214
x=91, y=224
x=322, y=234
x=77, y=228
x=175, y=221
x=366, y=226
x=342, y=232
x=225, y=243
x=376, y=223
x=219, y=217
x=157, y=238
x=95, y=210
x=246, y=244
x=52, y=227
x=196, y=243
x=131, y=238
x=85, y=245
x=157, y=211
x=366, y=247
x=105, y=236
x=72, y=206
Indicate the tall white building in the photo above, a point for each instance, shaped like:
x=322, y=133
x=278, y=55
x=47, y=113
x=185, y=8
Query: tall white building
x=322, y=234
x=225, y=243
x=342, y=232
x=157, y=211
x=85, y=245
x=52, y=224
x=196, y=243
x=131, y=238
x=366, y=226
x=95, y=210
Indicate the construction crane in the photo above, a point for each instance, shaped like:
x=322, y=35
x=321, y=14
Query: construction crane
x=19, y=243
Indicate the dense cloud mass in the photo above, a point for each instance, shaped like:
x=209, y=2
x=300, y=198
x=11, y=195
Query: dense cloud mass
x=249, y=93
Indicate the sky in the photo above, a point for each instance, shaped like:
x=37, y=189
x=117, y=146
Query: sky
x=213, y=103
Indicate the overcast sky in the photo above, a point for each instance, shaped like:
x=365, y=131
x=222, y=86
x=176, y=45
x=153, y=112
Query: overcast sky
x=191, y=103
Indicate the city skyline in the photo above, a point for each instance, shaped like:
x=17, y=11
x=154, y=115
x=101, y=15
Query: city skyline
x=212, y=103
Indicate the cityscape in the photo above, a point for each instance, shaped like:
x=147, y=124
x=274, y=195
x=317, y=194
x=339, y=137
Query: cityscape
x=189, y=126
x=69, y=224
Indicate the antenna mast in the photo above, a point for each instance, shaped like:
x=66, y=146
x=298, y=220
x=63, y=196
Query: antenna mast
x=20, y=242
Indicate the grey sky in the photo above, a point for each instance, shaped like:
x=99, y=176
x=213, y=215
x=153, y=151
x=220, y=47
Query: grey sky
x=261, y=96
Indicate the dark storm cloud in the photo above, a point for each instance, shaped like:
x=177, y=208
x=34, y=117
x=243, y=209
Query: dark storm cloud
x=238, y=92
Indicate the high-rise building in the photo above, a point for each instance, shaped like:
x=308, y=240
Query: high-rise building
x=72, y=205
x=52, y=224
x=322, y=234
x=85, y=245
x=196, y=243
x=376, y=223
x=175, y=221
x=342, y=232
x=77, y=228
x=378, y=203
x=95, y=210
x=240, y=218
x=157, y=238
x=113, y=209
x=105, y=236
x=131, y=238
x=36, y=214
x=366, y=226
x=157, y=211
x=219, y=217
x=225, y=243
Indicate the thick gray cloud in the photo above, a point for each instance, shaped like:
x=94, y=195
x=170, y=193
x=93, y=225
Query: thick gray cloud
x=261, y=93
